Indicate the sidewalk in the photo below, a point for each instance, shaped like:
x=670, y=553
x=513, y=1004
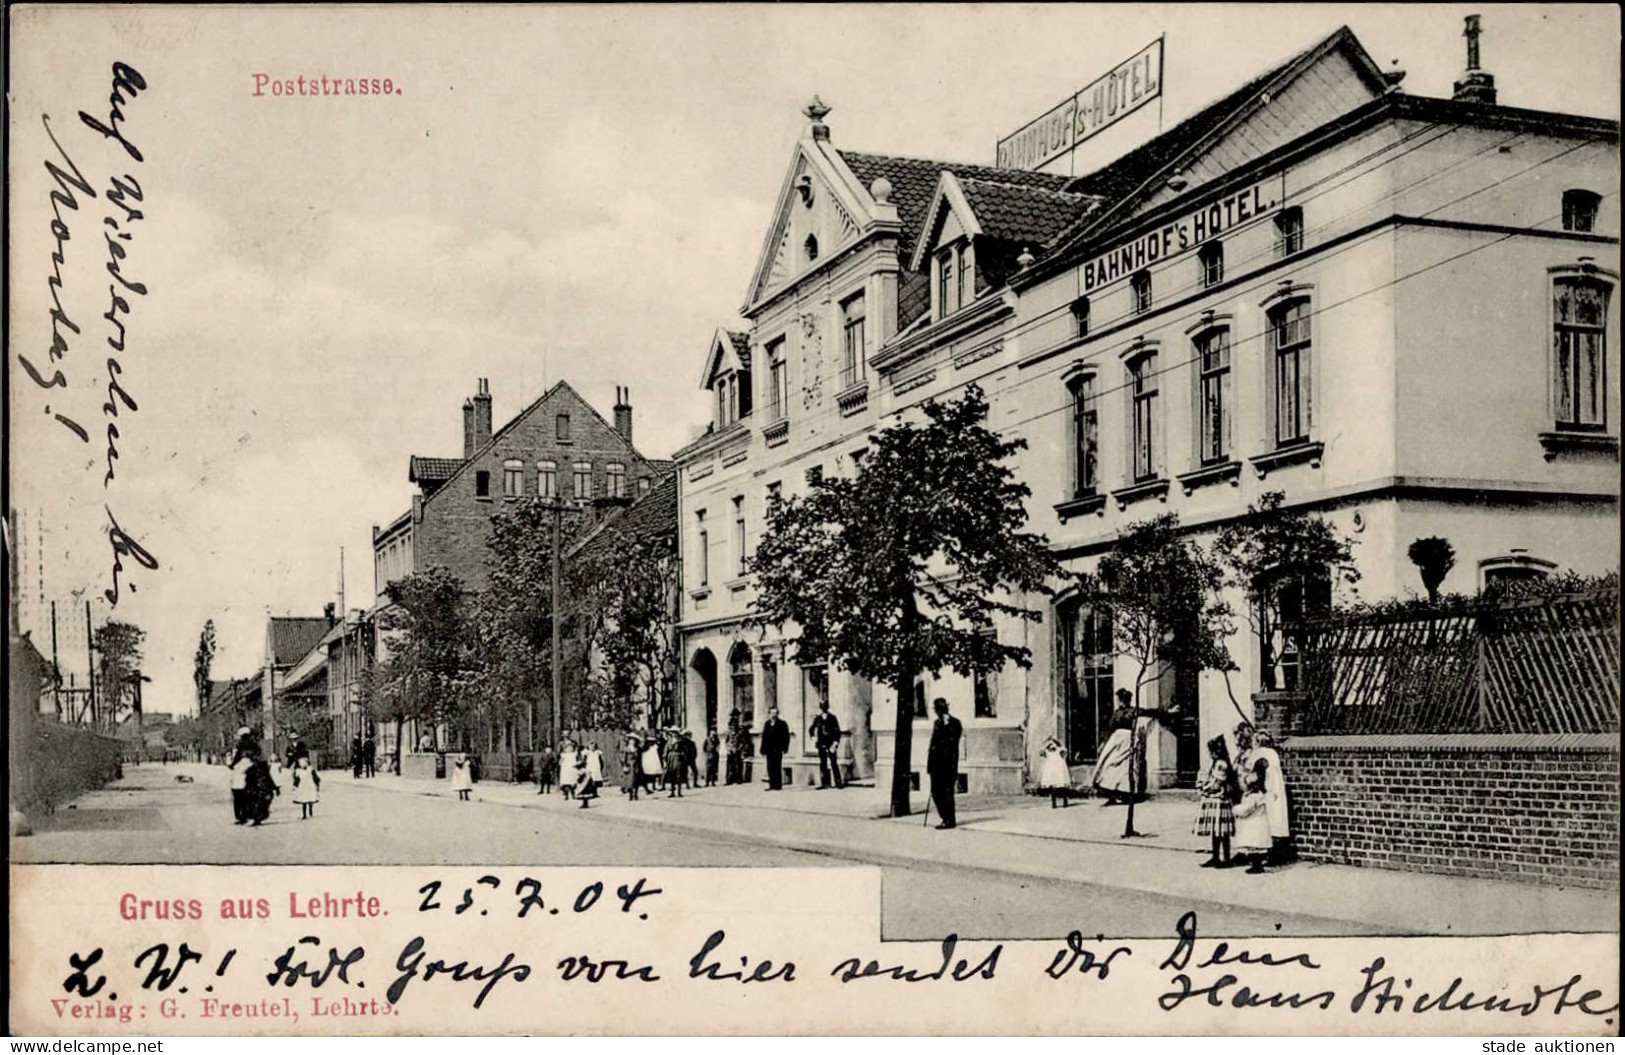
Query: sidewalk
x=1023, y=836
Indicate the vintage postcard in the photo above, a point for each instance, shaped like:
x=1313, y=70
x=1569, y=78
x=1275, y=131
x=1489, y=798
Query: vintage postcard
x=977, y=519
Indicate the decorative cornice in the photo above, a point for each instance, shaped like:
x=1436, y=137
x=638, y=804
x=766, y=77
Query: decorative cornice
x=1211, y=474
x=1280, y=458
x=1157, y=488
x=984, y=311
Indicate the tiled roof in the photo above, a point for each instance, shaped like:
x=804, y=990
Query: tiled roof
x=914, y=184
x=651, y=516
x=425, y=468
x=661, y=466
x=1016, y=213
x=741, y=343
x=293, y=636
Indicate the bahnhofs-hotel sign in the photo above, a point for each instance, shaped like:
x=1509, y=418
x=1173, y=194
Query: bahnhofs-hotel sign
x=1092, y=110
x=1189, y=231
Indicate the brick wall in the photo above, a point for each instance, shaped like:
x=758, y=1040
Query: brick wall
x=456, y=521
x=1541, y=809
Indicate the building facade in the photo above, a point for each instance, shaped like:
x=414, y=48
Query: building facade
x=1397, y=311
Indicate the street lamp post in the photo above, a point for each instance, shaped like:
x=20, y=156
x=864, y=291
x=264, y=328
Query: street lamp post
x=558, y=674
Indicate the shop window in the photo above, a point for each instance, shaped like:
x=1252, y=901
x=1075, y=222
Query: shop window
x=1580, y=210
x=743, y=677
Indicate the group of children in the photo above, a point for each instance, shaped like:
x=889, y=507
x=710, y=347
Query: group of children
x=578, y=770
x=1236, y=802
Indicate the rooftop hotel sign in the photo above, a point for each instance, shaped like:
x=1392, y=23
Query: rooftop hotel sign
x=1091, y=111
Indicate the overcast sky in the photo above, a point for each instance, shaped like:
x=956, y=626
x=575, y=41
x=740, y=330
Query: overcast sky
x=575, y=193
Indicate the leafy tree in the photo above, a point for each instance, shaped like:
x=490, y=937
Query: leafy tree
x=429, y=666
x=118, y=647
x=903, y=567
x=1433, y=557
x=202, y=663
x=626, y=582
x=1285, y=561
x=1164, y=595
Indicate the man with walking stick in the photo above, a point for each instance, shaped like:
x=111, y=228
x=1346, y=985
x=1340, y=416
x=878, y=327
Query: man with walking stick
x=942, y=762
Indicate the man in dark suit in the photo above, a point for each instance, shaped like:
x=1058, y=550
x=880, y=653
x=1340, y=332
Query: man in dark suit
x=775, y=742
x=826, y=734
x=942, y=762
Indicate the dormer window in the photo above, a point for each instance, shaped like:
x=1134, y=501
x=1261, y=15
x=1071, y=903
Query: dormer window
x=733, y=392
x=956, y=277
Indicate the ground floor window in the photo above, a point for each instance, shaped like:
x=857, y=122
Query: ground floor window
x=1086, y=658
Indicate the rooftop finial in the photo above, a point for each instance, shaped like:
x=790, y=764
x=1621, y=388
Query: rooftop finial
x=816, y=111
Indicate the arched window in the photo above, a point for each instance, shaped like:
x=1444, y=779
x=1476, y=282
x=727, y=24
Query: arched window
x=1145, y=447
x=1085, y=436
x=513, y=478
x=547, y=479
x=811, y=246
x=1517, y=566
x=1080, y=317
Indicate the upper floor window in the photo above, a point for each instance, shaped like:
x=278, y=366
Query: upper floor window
x=1085, y=438
x=482, y=484
x=1140, y=291
x=615, y=480
x=1579, y=346
x=1213, y=396
x=741, y=557
x=1143, y=421
x=513, y=478
x=702, y=561
x=1211, y=259
x=1289, y=231
x=778, y=377
x=1080, y=317
x=561, y=428
x=745, y=392
x=547, y=479
x=1290, y=364
x=946, y=284
x=1580, y=210
x=581, y=480
x=852, y=337
x=966, y=275
x=643, y=486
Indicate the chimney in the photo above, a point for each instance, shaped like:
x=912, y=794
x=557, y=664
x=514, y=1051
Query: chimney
x=477, y=419
x=1476, y=85
x=329, y=611
x=623, y=413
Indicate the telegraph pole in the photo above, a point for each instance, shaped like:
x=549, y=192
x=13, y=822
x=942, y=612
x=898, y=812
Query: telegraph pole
x=90, y=662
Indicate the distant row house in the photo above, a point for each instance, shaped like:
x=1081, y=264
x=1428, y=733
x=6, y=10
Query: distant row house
x=1396, y=310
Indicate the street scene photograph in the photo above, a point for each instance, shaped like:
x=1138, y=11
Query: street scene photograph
x=1091, y=463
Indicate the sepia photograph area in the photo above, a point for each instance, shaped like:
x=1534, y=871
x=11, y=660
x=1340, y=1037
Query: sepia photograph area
x=1091, y=462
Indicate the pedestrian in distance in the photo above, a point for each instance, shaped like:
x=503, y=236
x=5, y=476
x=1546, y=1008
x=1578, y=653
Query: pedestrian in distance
x=1054, y=777
x=357, y=759
x=593, y=762
x=734, y=773
x=569, y=769
x=675, y=764
x=942, y=762
x=242, y=757
x=826, y=736
x=711, y=749
x=297, y=749
x=775, y=742
x=650, y=762
x=369, y=755
x=1119, y=775
x=589, y=761
x=307, y=788
x=547, y=769
x=462, y=778
x=1221, y=790
x=631, y=757
x=691, y=759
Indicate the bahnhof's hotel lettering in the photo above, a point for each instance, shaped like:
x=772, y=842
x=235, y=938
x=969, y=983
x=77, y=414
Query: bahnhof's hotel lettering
x=1186, y=233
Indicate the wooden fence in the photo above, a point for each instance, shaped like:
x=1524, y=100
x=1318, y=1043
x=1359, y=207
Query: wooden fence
x=1541, y=665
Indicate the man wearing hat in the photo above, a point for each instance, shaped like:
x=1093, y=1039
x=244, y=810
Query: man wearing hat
x=631, y=754
x=297, y=749
x=691, y=759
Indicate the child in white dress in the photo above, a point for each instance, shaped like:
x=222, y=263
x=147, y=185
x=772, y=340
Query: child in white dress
x=1054, y=777
x=306, y=788
x=462, y=778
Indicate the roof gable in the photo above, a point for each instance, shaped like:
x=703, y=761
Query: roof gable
x=1337, y=67
x=730, y=350
x=1011, y=212
x=821, y=204
x=293, y=636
